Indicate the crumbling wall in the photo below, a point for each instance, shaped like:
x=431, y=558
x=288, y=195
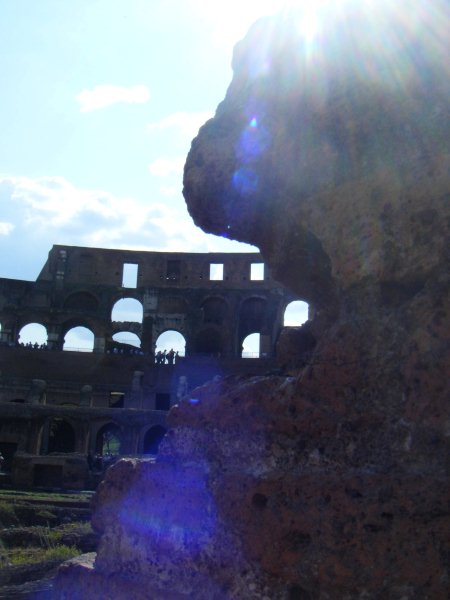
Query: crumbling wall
x=328, y=483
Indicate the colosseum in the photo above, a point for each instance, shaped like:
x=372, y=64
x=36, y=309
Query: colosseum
x=65, y=412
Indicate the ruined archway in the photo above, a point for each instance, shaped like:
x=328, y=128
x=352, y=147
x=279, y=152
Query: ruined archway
x=127, y=338
x=251, y=346
x=171, y=340
x=251, y=316
x=128, y=310
x=296, y=313
x=79, y=339
x=61, y=436
x=33, y=334
x=108, y=440
x=153, y=438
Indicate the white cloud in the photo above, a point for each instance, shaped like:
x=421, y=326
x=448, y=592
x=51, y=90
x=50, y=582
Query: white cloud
x=54, y=206
x=40, y=212
x=188, y=123
x=102, y=96
x=164, y=167
x=5, y=228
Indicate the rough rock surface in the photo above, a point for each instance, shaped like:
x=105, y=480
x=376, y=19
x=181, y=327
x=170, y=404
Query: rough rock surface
x=331, y=154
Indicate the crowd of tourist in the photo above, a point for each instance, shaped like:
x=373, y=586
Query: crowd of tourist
x=164, y=357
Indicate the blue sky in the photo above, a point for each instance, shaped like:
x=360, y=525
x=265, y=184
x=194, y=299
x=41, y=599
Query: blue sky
x=100, y=101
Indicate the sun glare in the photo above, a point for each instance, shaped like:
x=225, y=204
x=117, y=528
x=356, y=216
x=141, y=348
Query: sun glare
x=230, y=21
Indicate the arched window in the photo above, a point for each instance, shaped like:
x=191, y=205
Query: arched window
x=128, y=338
x=108, y=440
x=296, y=313
x=171, y=340
x=34, y=334
x=61, y=437
x=153, y=438
x=251, y=346
x=251, y=316
x=79, y=339
x=127, y=310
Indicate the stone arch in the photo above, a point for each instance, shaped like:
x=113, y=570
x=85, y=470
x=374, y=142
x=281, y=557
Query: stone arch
x=215, y=310
x=171, y=339
x=252, y=320
x=33, y=333
x=209, y=341
x=252, y=313
x=61, y=436
x=108, y=439
x=79, y=339
x=127, y=338
x=296, y=313
x=153, y=438
x=251, y=346
x=81, y=301
x=127, y=310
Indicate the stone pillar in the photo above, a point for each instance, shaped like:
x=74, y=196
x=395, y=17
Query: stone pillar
x=81, y=437
x=136, y=390
x=99, y=344
x=54, y=341
x=129, y=441
x=43, y=449
x=34, y=438
x=36, y=393
x=265, y=349
x=6, y=336
x=86, y=395
x=150, y=306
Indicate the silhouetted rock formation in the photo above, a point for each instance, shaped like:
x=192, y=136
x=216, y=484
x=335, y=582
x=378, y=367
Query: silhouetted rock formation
x=330, y=154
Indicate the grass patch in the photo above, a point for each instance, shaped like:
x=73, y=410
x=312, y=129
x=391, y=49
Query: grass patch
x=8, y=517
x=9, y=495
x=27, y=556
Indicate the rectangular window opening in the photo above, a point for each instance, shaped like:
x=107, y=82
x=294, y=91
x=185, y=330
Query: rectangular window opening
x=216, y=272
x=257, y=272
x=130, y=275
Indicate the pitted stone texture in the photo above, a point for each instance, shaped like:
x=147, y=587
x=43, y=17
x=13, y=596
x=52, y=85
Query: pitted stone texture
x=347, y=148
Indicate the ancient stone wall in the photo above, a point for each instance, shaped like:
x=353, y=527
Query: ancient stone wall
x=78, y=397
x=205, y=297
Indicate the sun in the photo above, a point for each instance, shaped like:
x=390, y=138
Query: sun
x=229, y=21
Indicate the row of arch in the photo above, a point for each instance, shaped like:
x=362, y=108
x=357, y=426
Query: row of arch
x=108, y=441
x=82, y=338
x=214, y=309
